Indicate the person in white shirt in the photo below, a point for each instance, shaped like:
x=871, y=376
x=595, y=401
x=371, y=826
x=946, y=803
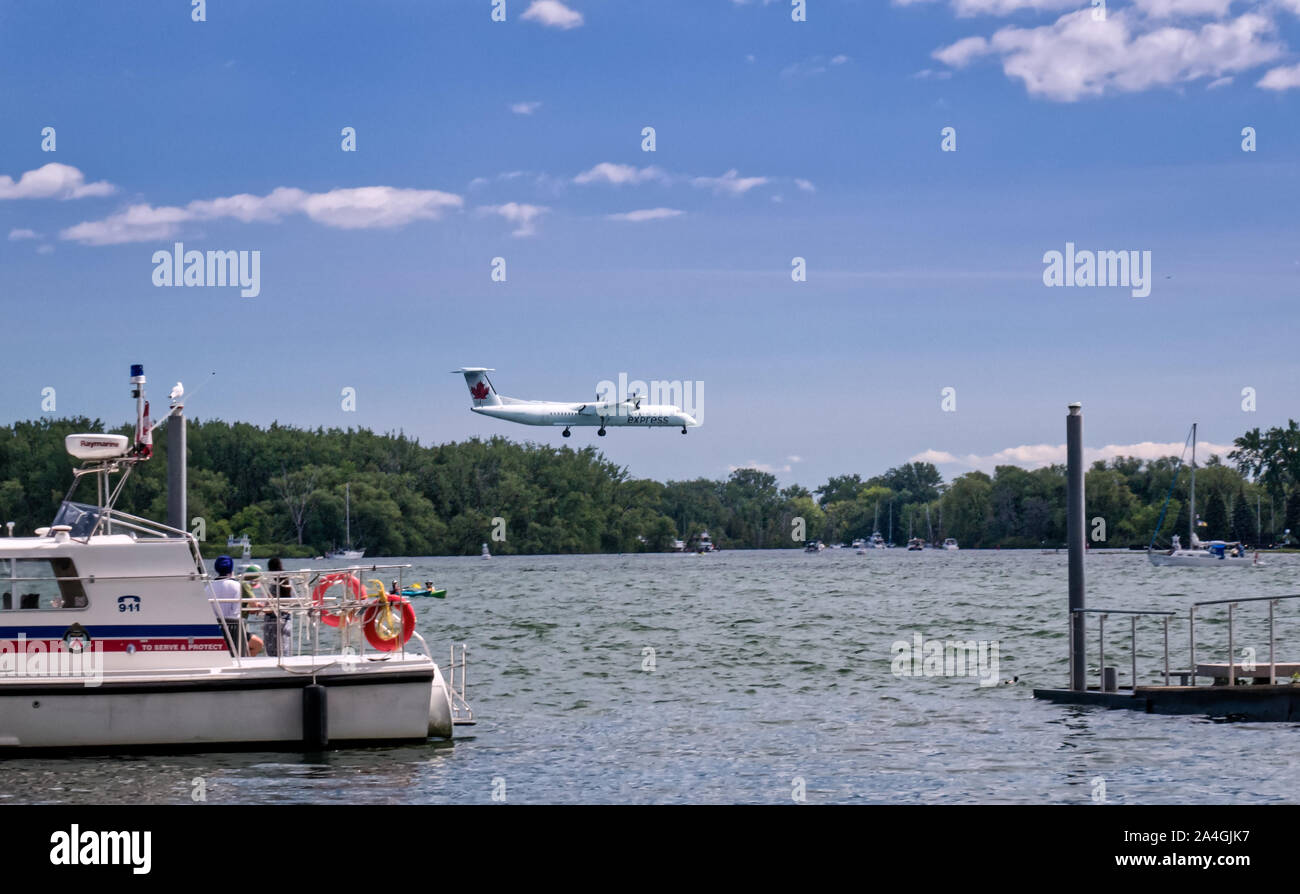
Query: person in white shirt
x=228, y=592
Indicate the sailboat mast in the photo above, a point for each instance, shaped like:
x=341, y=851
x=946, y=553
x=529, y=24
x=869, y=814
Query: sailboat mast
x=347, y=502
x=1191, y=513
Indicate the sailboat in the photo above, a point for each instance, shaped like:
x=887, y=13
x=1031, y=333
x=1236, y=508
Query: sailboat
x=349, y=552
x=877, y=541
x=1215, y=554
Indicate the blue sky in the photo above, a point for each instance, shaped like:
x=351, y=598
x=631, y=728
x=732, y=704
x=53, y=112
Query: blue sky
x=522, y=139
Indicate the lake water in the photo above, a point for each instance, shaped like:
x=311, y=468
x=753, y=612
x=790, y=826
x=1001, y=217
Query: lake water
x=770, y=668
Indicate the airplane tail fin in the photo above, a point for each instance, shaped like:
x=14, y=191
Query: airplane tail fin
x=481, y=390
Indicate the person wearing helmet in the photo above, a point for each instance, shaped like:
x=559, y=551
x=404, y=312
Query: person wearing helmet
x=226, y=595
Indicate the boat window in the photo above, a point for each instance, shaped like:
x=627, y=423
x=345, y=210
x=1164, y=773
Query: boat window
x=40, y=584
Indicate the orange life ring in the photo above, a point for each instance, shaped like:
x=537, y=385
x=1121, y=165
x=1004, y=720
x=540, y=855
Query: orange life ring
x=353, y=583
x=370, y=623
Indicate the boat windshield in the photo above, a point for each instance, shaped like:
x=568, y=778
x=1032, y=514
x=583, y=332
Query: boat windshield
x=81, y=517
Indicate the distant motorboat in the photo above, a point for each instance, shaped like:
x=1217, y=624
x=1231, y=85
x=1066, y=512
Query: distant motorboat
x=485, y=554
x=950, y=543
x=243, y=544
x=813, y=546
x=877, y=541
x=703, y=544
x=915, y=544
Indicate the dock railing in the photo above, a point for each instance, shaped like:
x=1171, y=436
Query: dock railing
x=1193, y=670
x=1232, y=660
x=1133, y=614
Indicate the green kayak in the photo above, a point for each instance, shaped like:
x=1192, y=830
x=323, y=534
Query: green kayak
x=423, y=591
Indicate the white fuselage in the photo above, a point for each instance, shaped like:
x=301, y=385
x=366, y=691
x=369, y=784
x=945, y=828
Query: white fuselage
x=601, y=414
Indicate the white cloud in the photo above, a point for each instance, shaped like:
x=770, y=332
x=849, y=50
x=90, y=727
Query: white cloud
x=522, y=216
x=841, y=59
x=363, y=207
x=794, y=459
x=805, y=185
x=620, y=175
x=761, y=467
x=1282, y=78
x=730, y=183
x=525, y=108
x=15, y=235
x=968, y=8
x=1217, y=83
x=45, y=249
x=646, y=214
x=1033, y=456
x=552, y=14
x=53, y=181
x=1077, y=57
x=1168, y=9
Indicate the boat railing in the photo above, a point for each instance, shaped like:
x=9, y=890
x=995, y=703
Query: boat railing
x=296, y=599
x=1133, y=614
x=461, y=712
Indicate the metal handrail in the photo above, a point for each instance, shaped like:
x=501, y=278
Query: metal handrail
x=1232, y=604
x=1101, y=640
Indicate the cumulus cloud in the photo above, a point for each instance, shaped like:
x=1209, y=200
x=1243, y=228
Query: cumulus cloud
x=363, y=207
x=730, y=183
x=552, y=14
x=1033, y=456
x=805, y=185
x=620, y=175
x=968, y=8
x=53, y=181
x=647, y=214
x=524, y=217
x=16, y=234
x=1077, y=57
x=1282, y=78
x=525, y=108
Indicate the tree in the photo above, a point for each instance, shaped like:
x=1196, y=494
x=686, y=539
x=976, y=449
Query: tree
x=1217, y=526
x=1292, y=522
x=1243, y=519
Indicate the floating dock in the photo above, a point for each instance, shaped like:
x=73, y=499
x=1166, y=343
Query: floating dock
x=1240, y=690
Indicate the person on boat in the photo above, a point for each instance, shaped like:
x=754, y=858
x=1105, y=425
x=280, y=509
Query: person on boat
x=226, y=595
x=277, y=628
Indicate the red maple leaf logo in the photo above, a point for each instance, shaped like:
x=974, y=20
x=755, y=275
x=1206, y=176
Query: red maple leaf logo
x=479, y=391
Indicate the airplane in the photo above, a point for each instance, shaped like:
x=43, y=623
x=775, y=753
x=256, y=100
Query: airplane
x=599, y=412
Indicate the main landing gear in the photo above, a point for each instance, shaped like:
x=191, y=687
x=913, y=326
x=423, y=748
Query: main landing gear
x=683, y=429
x=566, y=432
x=601, y=431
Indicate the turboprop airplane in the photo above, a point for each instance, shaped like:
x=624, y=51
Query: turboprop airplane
x=630, y=412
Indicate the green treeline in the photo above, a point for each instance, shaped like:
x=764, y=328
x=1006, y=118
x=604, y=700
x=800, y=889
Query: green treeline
x=284, y=486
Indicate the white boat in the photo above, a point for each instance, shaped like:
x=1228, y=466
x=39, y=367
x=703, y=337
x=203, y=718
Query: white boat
x=915, y=544
x=813, y=546
x=950, y=543
x=109, y=638
x=1214, y=554
x=703, y=543
x=348, y=554
x=486, y=554
x=243, y=544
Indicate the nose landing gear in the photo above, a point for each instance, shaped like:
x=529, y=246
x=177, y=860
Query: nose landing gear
x=683, y=429
x=601, y=431
x=566, y=432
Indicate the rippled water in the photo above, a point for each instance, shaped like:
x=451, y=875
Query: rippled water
x=771, y=666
